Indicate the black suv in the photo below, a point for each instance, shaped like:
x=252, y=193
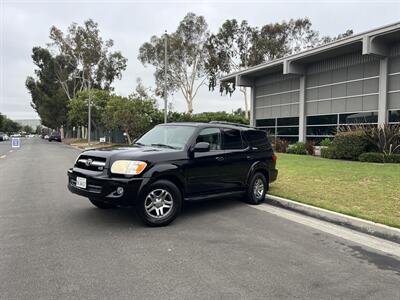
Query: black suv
x=177, y=162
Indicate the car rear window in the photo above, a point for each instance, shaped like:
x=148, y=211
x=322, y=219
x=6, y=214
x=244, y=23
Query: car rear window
x=258, y=139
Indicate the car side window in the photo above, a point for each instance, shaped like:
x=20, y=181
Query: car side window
x=211, y=136
x=231, y=139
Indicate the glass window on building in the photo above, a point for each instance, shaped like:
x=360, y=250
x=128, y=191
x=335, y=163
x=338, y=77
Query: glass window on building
x=265, y=122
x=321, y=130
x=360, y=117
x=394, y=116
x=322, y=120
x=292, y=121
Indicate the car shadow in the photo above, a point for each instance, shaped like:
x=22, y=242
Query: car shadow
x=127, y=217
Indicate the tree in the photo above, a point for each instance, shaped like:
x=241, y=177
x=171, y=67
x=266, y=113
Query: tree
x=2, y=120
x=48, y=98
x=186, y=58
x=78, y=107
x=27, y=129
x=237, y=46
x=84, y=60
x=133, y=116
x=10, y=126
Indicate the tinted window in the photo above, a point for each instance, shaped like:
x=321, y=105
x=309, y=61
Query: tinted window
x=265, y=122
x=211, y=136
x=232, y=139
x=361, y=117
x=288, y=121
x=319, y=120
x=257, y=138
x=394, y=116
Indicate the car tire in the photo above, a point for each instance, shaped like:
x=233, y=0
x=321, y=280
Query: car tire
x=159, y=204
x=257, y=189
x=101, y=204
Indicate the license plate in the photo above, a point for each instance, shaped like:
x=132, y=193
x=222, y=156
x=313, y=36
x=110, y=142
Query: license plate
x=81, y=182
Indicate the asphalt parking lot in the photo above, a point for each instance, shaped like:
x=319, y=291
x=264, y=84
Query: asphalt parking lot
x=56, y=245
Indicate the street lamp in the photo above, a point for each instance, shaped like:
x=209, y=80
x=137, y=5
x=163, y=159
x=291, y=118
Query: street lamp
x=165, y=76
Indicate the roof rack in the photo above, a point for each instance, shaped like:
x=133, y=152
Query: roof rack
x=230, y=123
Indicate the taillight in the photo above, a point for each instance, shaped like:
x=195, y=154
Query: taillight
x=274, y=157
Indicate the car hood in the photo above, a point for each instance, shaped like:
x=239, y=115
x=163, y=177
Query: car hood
x=145, y=153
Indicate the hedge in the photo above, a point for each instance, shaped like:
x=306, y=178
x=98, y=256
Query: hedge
x=379, y=157
x=297, y=148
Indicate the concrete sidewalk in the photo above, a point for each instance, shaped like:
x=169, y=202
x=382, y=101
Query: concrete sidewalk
x=372, y=228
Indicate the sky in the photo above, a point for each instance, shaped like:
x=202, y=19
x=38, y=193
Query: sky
x=25, y=24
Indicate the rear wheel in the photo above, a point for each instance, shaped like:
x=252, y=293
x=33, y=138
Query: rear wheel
x=160, y=204
x=101, y=204
x=257, y=189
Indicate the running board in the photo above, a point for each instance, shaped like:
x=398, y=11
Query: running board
x=213, y=196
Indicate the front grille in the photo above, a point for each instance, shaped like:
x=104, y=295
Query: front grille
x=90, y=187
x=91, y=163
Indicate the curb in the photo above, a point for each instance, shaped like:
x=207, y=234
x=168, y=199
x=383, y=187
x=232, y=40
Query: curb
x=364, y=226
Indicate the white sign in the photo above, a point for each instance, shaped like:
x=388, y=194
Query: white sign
x=15, y=142
x=102, y=140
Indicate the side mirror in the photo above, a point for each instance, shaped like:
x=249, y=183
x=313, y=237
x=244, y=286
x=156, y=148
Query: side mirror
x=202, y=147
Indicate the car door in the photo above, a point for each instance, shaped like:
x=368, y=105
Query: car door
x=203, y=172
x=236, y=163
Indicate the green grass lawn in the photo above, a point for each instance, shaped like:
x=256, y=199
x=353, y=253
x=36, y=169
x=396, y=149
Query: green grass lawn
x=366, y=190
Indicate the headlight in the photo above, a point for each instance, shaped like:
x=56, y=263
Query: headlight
x=128, y=167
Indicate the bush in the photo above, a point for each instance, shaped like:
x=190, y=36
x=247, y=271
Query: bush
x=329, y=152
x=372, y=157
x=349, y=144
x=281, y=145
x=325, y=142
x=379, y=157
x=393, y=158
x=310, y=147
x=297, y=148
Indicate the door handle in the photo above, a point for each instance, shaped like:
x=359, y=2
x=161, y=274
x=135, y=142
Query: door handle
x=219, y=158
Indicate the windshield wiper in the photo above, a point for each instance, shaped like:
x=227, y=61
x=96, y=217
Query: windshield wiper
x=164, y=145
x=139, y=144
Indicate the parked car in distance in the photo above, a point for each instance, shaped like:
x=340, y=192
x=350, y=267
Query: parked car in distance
x=55, y=136
x=177, y=162
x=3, y=137
x=16, y=135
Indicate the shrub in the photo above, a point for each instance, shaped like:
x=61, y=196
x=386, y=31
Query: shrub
x=297, y=148
x=325, y=142
x=310, y=145
x=281, y=145
x=379, y=157
x=329, y=152
x=372, y=157
x=384, y=138
x=349, y=144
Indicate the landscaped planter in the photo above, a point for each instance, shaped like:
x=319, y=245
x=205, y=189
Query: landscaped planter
x=317, y=150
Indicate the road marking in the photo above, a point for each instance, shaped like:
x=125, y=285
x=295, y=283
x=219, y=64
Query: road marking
x=339, y=231
x=11, y=151
x=3, y=156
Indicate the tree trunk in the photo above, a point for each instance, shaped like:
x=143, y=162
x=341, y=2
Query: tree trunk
x=62, y=132
x=246, y=105
x=189, y=101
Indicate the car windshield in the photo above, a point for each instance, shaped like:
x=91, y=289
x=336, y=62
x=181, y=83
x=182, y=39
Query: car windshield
x=171, y=136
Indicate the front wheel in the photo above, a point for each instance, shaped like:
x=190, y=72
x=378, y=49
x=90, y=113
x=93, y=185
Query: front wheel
x=160, y=204
x=257, y=189
x=101, y=204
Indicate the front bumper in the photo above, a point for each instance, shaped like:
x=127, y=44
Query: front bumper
x=101, y=187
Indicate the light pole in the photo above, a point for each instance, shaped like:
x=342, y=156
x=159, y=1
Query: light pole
x=89, y=113
x=165, y=77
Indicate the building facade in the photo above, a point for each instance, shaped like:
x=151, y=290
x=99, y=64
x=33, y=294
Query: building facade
x=310, y=94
